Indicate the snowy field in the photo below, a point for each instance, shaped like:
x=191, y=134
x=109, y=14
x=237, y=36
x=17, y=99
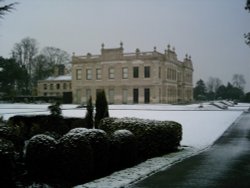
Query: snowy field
x=201, y=127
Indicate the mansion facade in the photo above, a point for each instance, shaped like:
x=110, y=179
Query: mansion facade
x=130, y=78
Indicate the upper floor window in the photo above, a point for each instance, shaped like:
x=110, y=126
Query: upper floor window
x=147, y=72
x=57, y=86
x=136, y=72
x=64, y=86
x=111, y=73
x=51, y=86
x=88, y=74
x=125, y=72
x=98, y=74
x=159, y=72
x=78, y=74
x=45, y=86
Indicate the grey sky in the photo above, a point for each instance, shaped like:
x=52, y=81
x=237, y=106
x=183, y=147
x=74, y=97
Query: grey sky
x=211, y=31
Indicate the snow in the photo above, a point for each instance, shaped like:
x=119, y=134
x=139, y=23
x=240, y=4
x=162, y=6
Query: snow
x=201, y=127
x=60, y=78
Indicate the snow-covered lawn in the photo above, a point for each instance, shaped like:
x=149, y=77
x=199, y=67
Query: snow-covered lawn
x=201, y=127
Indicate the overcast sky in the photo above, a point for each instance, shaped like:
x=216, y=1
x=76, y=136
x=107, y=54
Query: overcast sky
x=211, y=31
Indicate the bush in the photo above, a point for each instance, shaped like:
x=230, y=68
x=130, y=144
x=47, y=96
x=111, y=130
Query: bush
x=99, y=142
x=154, y=138
x=40, y=156
x=29, y=126
x=75, y=158
x=7, y=162
x=12, y=134
x=123, y=150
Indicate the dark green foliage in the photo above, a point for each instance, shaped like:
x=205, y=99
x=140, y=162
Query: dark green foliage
x=40, y=156
x=200, y=90
x=13, y=78
x=7, y=163
x=123, y=150
x=12, y=134
x=101, y=107
x=55, y=109
x=28, y=126
x=75, y=158
x=99, y=142
x=154, y=138
x=89, y=115
x=247, y=97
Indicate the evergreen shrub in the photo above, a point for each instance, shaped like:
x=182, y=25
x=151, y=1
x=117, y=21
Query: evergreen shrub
x=40, y=156
x=154, y=138
x=75, y=158
x=123, y=150
x=99, y=142
x=7, y=162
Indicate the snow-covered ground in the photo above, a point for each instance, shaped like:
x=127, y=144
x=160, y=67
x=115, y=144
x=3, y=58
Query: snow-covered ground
x=201, y=127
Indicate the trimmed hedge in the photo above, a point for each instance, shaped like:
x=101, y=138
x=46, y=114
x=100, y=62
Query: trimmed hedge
x=123, y=150
x=7, y=162
x=75, y=158
x=99, y=142
x=154, y=138
x=40, y=156
x=29, y=126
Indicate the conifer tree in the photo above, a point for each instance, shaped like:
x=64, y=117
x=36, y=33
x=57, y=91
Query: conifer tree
x=89, y=114
x=101, y=108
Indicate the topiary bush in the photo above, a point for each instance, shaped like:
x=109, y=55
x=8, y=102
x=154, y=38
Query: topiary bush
x=154, y=138
x=75, y=158
x=7, y=163
x=123, y=150
x=40, y=156
x=99, y=142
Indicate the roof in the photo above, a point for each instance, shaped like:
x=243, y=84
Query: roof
x=58, y=78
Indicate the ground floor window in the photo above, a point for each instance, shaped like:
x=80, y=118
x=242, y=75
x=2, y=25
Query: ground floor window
x=146, y=95
x=125, y=96
x=135, y=95
x=111, y=96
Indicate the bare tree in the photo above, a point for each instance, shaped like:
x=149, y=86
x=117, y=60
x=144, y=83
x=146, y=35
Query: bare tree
x=213, y=84
x=55, y=56
x=6, y=8
x=239, y=81
x=24, y=53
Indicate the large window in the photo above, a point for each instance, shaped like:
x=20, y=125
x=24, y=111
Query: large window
x=45, y=86
x=147, y=72
x=88, y=74
x=111, y=73
x=78, y=74
x=98, y=74
x=136, y=72
x=57, y=86
x=125, y=73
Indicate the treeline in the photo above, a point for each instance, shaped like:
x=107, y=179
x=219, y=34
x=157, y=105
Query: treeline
x=214, y=89
x=19, y=73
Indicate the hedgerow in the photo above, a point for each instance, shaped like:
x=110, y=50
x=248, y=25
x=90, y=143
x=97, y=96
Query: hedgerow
x=154, y=138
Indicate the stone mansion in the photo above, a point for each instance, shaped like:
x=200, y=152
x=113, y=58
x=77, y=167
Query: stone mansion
x=130, y=78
